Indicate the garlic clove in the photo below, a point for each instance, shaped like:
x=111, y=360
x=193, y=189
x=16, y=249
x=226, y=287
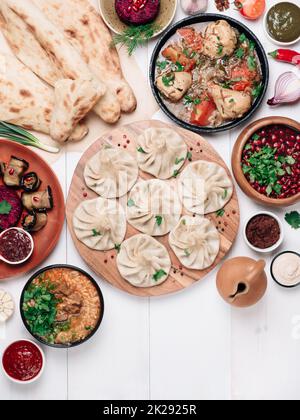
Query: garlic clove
x=192, y=7
x=6, y=306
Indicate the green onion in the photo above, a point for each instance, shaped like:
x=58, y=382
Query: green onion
x=19, y=135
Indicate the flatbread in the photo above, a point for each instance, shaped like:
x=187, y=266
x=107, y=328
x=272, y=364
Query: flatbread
x=46, y=51
x=87, y=32
x=27, y=101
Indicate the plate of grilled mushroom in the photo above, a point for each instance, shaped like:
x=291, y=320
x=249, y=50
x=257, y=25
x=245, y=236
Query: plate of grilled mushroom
x=31, y=209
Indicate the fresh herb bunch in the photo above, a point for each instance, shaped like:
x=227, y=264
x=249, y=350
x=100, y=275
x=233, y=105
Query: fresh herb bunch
x=39, y=309
x=135, y=36
x=19, y=135
x=264, y=168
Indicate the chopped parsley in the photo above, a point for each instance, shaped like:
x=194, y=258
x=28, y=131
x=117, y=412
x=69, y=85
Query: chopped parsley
x=220, y=213
x=187, y=253
x=251, y=63
x=175, y=173
x=118, y=247
x=159, y=274
x=256, y=91
x=220, y=49
x=96, y=232
x=5, y=207
x=189, y=156
x=293, y=219
x=130, y=203
x=162, y=64
x=168, y=79
x=179, y=160
x=159, y=220
x=140, y=150
x=240, y=52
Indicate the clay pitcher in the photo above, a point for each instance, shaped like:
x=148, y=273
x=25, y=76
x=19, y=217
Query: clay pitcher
x=242, y=281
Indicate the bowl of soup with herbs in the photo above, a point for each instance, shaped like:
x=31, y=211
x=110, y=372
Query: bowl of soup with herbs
x=62, y=306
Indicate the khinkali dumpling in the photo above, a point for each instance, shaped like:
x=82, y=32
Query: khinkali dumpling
x=100, y=223
x=161, y=152
x=111, y=173
x=143, y=261
x=195, y=241
x=153, y=207
x=204, y=187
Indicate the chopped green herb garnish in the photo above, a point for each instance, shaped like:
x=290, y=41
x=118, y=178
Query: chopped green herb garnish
x=293, y=219
x=187, y=253
x=231, y=100
x=96, y=232
x=179, y=160
x=5, y=207
x=162, y=64
x=220, y=49
x=179, y=67
x=197, y=101
x=243, y=38
x=225, y=195
x=175, y=173
x=168, y=79
x=159, y=274
x=255, y=137
x=220, y=213
x=251, y=63
x=118, y=247
x=240, y=52
x=159, y=220
x=189, y=156
x=130, y=203
x=140, y=150
x=262, y=167
x=187, y=100
x=256, y=91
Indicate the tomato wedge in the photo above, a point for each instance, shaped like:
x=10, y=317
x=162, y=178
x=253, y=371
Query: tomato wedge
x=241, y=86
x=251, y=9
x=201, y=112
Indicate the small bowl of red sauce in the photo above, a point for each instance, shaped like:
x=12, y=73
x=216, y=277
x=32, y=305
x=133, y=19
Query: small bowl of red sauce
x=23, y=362
x=266, y=161
x=16, y=246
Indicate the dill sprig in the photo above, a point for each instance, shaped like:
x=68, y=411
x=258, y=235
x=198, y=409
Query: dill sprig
x=135, y=36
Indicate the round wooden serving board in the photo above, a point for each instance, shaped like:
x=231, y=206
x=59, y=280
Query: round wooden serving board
x=46, y=239
x=104, y=263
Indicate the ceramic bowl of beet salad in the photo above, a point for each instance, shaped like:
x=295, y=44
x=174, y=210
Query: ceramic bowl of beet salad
x=266, y=161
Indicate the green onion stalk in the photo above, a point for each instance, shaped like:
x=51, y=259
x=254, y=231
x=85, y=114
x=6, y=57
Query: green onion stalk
x=19, y=135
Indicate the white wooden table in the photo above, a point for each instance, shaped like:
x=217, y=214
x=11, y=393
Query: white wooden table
x=186, y=346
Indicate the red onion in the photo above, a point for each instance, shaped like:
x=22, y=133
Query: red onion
x=287, y=89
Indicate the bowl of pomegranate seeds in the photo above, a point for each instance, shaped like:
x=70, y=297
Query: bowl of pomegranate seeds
x=266, y=161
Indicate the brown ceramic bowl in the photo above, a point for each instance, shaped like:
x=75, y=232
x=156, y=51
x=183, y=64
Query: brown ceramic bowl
x=236, y=158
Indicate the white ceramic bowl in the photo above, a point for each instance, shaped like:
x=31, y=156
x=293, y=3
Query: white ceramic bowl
x=36, y=377
x=282, y=44
x=275, y=246
x=32, y=246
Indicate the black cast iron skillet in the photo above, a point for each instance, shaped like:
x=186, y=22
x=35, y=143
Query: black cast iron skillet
x=76, y=343
x=203, y=18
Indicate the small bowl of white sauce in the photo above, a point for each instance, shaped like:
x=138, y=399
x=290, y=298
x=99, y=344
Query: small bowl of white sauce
x=285, y=269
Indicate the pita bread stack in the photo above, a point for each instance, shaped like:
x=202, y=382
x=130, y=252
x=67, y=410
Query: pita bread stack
x=71, y=65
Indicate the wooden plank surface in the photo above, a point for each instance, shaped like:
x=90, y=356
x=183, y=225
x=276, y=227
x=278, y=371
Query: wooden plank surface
x=104, y=263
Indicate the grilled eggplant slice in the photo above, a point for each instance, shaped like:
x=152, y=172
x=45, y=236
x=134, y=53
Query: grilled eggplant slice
x=30, y=182
x=14, y=171
x=33, y=222
x=38, y=200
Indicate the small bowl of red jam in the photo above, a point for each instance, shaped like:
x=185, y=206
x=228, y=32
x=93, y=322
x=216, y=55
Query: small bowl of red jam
x=16, y=246
x=266, y=161
x=23, y=362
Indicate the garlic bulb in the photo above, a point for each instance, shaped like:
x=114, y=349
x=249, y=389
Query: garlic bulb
x=6, y=306
x=192, y=7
